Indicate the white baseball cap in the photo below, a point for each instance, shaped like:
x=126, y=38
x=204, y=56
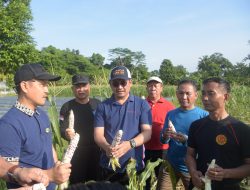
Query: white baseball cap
x=154, y=78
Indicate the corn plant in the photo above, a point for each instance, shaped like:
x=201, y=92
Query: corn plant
x=2, y=185
x=138, y=181
x=58, y=142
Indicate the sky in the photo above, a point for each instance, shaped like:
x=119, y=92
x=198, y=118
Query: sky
x=182, y=31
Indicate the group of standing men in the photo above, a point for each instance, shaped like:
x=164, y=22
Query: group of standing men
x=25, y=132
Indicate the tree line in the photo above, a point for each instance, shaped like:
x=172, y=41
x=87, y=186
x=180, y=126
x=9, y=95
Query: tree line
x=17, y=47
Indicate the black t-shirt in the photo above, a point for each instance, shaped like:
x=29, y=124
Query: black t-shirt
x=84, y=120
x=85, y=162
x=227, y=141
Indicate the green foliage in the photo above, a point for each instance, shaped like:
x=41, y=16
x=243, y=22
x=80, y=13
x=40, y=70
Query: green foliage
x=16, y=45
x=2, y=185
x=134, y=61
x=138, y=181
x=240, y=74
x=238, y=104
x=59, y=143
x=171, y=74
x=97, y=59
x=214, y=65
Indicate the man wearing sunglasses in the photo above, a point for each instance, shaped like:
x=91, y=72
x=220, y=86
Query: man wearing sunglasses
x=122, y=111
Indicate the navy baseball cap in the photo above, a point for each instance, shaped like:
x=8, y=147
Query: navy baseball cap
x=120, y=72
x=80, y=79
x=33, y=71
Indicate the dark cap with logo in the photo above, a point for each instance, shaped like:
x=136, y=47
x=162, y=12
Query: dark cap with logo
x=33, y=71
x=80, y=79
x=120, y=72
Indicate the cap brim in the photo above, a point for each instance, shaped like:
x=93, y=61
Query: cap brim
x=80, y=82
x=154, y=80
x=120, y=77
x=47, y=76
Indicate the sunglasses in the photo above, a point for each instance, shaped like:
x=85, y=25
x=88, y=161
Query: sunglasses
x=117, y=83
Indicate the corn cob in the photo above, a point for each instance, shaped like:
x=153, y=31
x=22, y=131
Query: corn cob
x=68, y=155
x=171, y=126
x=71, y=149
x=71, y=120
x=115, y=161
x=205, y=179
x=38, y=186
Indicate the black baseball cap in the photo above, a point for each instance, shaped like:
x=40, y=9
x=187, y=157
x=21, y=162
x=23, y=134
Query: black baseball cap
x=80, y=79
x=120, y=72
x=33, y=71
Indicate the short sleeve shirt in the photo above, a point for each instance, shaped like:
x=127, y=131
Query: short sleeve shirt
x=28, y=138
x=127, y=117
x=159, y=112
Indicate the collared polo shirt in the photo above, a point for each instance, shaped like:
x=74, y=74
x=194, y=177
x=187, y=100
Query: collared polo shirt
x=27, y=137
x=127, y=117
x=159, y=112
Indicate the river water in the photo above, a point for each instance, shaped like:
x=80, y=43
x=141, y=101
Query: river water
x=7, y=102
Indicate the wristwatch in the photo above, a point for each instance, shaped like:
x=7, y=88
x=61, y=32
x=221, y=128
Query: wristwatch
x=12, y=178
x=132, y=143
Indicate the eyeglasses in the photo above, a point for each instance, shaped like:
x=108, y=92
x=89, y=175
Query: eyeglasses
x=117, y=83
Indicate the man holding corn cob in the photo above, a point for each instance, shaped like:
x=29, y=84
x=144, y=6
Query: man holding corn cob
x=125, y=113
x=175, y=132
x=154, y=149
x=85, y=163
x=218, y=137
x=25, y=131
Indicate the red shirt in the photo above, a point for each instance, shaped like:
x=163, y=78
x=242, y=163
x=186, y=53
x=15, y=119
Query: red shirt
x=159, y=112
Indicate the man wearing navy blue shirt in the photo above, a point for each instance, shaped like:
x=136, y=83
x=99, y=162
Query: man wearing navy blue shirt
x=25, y=132
x=122, y=111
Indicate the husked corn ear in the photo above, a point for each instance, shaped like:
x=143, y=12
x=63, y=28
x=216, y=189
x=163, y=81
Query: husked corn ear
x=171, y=125
x=38, y=186
x=115, y=161
x=117, y=139
x=205, y=179
x=71, y=120
x=71, y=149
x=68, y=156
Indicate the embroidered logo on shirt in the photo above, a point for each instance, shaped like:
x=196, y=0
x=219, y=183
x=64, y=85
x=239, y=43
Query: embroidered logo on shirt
x=221, y=139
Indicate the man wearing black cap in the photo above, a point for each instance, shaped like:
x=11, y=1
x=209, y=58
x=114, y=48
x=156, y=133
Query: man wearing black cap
x=122, y=111
x=25, y=131
x=85, y=162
